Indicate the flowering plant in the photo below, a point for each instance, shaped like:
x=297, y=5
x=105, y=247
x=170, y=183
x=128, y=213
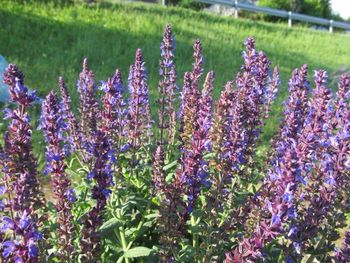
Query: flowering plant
x=187, y=186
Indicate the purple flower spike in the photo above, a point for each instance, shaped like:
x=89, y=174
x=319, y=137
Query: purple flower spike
x=73, y=130
x=193, y=168
x=114, y=109
x=139, y=122
x=343, y=94
x=276, y=204
x=316, y=162
x=25, y=247
x=19, y=170
x=167, y=88
x=295, y=110
x=271, y=91
x=188, y=111
x=277, y=195
x=198, y=63
x=89, y=112
x=102, y=174
x=158, y=173
x=205, y=107
x=53, y=124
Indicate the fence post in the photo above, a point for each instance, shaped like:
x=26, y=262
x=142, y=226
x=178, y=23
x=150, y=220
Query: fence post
x=289, y=19
x=236, y=8
x=331, y=26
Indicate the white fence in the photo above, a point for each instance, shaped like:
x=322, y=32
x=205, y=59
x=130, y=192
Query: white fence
x=281, y=13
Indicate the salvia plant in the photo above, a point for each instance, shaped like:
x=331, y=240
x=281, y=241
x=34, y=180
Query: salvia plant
x=190, y=184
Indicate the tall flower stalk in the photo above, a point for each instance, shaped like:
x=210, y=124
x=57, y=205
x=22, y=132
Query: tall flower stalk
x=190, y=98
x=53, y=124
x=276, y=195
x=188, y=111
x=139, y=121
x=114, y=110
x=252, y=92
x=193, y=168
x=25, y=199
x=101, y=173
x=89, y=112
x=167, y=88
x=73, y=130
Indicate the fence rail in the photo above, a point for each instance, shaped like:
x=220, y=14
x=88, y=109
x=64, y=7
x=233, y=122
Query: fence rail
x=281, y=13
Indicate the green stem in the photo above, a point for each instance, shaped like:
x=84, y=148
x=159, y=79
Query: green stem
x=194, y=236
x=123, y=240
x=121, y=231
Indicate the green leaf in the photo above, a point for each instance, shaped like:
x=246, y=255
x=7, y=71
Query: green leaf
x=152, y=216
x=120, y=260
x=170, y=165
x=138, y=252
x=111, y=224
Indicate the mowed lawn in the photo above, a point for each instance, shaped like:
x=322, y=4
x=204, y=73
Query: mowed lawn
x=47, y=41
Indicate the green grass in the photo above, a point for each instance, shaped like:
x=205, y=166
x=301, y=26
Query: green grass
x=47, y=41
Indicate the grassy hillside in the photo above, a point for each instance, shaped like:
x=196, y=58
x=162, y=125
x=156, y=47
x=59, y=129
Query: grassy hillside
x=47, y=41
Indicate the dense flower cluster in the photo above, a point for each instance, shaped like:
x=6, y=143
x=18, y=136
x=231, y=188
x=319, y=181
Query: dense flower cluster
x=102, y=175
x=202, y=190
x=113, y=114
x=167, y=88
x=20, y=184
x=139, y=123
x=53, y=124
x=88, y=103
x=73, y=132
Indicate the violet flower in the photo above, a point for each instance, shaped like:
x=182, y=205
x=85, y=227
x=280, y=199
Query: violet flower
x=295, y=110
x=276, y=196
x=198, y=64
x=158, y=174
x=343, y=94
x=53, y=124
x=313, y=157
x=89, y=112
x=167, y=88
x=271, y=91
x=189, y=110
x=252, y=89
x=20, y=176
x=193, y=169
x=220, y=138
x=221, y=120
x=114, y=110
x=101, y=173
x=73, y=131
x=24, y=247
x=190, y=98
x=205, y=109
x=21, y=164
x=278, y=208
x=139, y=121
x=229, y=143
